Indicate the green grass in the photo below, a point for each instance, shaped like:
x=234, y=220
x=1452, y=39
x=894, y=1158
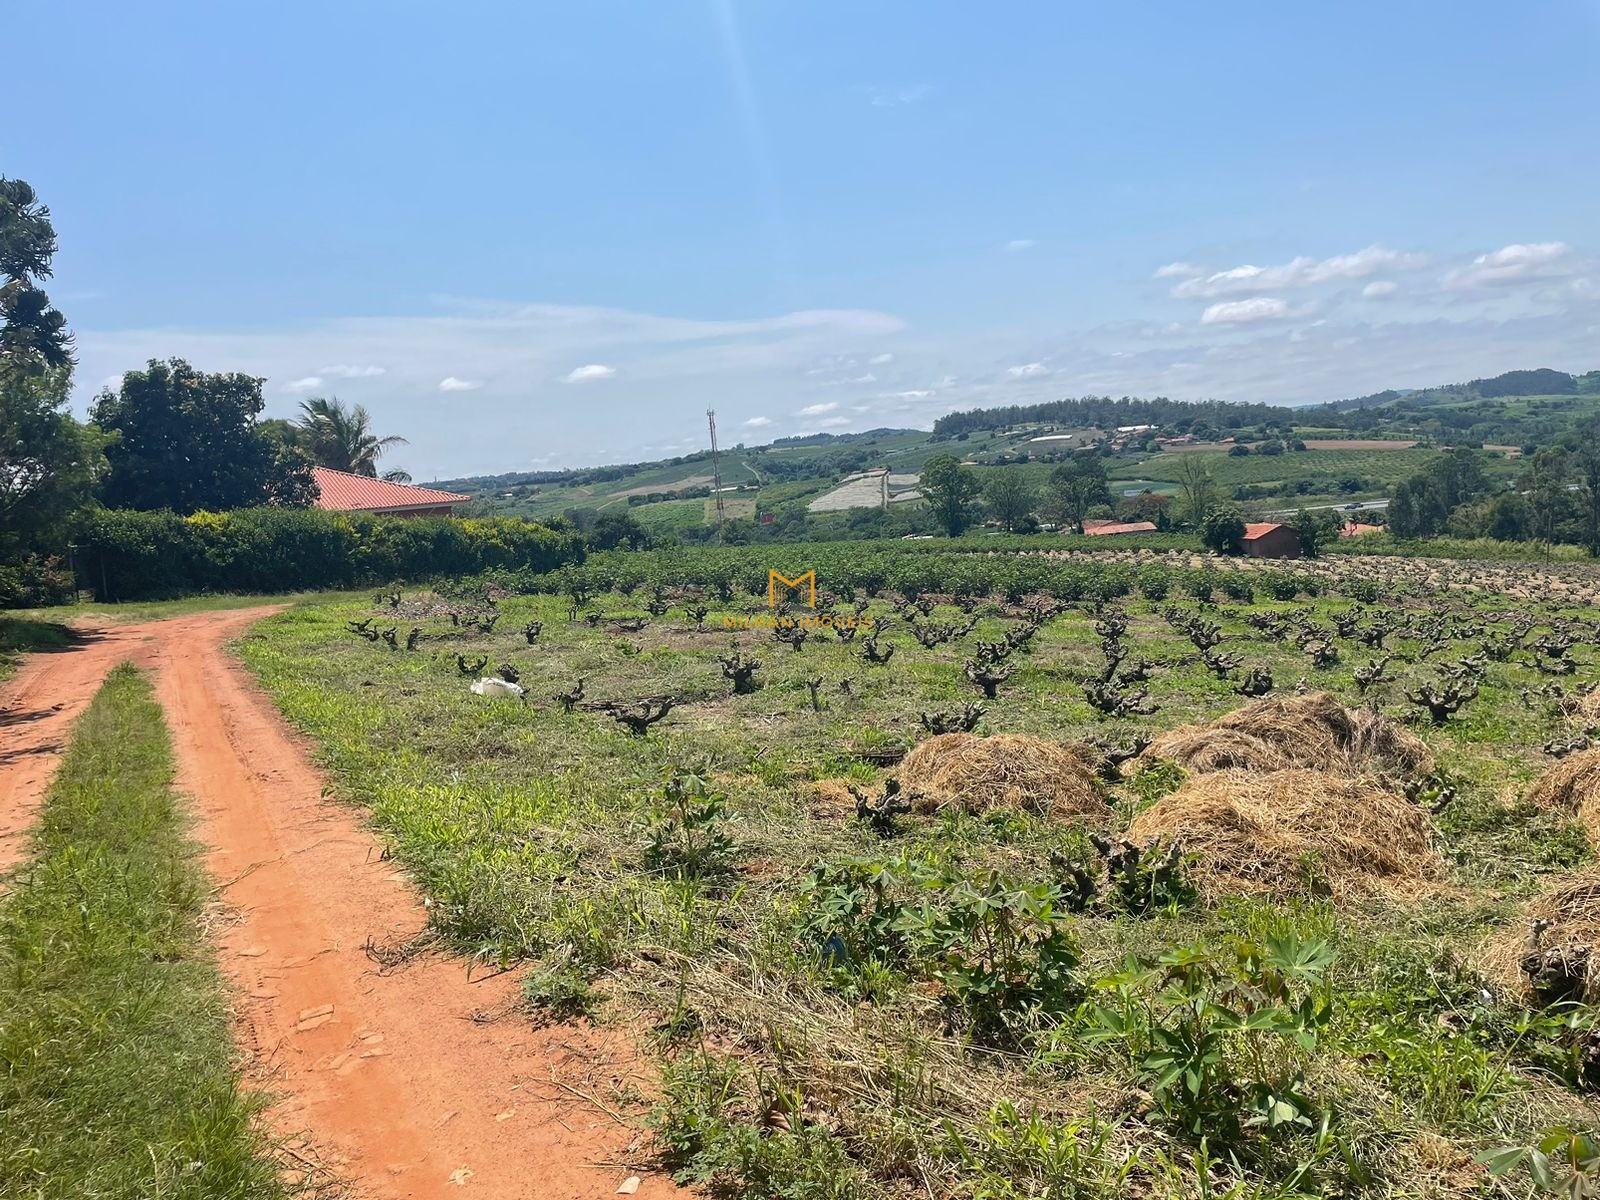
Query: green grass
x=115, y=1060
x=548, y=838
x=22, y=635
x=157, y=610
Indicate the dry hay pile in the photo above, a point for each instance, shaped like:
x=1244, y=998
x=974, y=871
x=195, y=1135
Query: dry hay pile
x=1554, y=955
x=1288, y=832
x=1008, y=771
x=1280, y=732
x=1572, y=786
x=1588, y=706
x=833, y=798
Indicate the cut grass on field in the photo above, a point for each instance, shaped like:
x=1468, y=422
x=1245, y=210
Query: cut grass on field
x=115, y=1076
x=822, y=1030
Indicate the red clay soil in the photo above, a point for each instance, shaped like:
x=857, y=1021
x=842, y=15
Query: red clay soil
x=403, y=1082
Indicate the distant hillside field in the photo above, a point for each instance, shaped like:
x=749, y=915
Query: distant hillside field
x=1355, y=450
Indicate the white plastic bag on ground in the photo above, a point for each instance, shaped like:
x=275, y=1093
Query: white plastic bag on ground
x=490, y=686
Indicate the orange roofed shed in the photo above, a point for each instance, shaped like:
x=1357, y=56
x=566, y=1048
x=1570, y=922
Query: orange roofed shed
x=341, y=491
x=1268, y=539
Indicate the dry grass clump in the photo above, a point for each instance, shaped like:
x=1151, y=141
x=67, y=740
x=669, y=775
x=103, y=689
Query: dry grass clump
x=1554, y=954
x=1288, y=832
x=1572, y=786
x=1588, y=705
x=1008, y=770
x=1314, y=731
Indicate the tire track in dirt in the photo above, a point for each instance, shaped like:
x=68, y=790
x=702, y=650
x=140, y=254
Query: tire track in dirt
x=403, y=1083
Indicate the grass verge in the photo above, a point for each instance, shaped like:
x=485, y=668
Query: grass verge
x=20, y=635
x=115, y=1073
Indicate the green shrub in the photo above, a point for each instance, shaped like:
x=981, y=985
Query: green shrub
x=1238, y=587
x=1222, y=1038
x=126, y=555
x=1281, y=585
x=1154, y=583
x=1003, y=952
x=35, y=582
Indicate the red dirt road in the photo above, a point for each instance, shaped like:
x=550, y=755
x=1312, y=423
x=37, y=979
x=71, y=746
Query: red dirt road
x=403, y=1083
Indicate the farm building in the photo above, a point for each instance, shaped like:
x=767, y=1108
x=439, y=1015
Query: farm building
x=341, y=491
x=1113, y=528
x=1268, y=539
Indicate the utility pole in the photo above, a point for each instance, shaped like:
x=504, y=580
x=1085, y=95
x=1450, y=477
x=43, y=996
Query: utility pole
x=716, y=472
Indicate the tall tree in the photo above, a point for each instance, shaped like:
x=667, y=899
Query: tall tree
x=1075, y=487
x=1222, y=529
x=1545, y=482
x=1316, y=530
x=1421, y=505
x=1196, y=486
x=1587, y=463
x=1010, y=497
x=341, y=437
x=950, y=490
x=33, y=335
x=190, y=441
x=48, y=461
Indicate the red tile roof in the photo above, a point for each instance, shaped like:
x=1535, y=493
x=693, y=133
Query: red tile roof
x=1107, y=528
x=343, y=492
x=1260, y=529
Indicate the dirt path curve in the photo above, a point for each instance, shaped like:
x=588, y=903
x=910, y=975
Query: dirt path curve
x=406, y=1083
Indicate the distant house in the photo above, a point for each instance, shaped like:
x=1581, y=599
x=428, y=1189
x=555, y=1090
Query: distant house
x=1114, y=528
x=1356, y=529
x=341, y=491
x=1268, y=539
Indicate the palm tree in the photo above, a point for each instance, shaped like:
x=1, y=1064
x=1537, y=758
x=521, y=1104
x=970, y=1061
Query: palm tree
x=342, y=438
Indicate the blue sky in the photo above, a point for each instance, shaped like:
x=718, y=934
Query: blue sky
x=532, y=235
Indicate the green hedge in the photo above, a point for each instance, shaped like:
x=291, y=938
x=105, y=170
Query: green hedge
x=125, y=555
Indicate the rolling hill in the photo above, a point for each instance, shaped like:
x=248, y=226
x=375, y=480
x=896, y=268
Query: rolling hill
x=1354, y=449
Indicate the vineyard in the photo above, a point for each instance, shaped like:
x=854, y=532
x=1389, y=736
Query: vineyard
x=1019, y=875
x=1380, y=467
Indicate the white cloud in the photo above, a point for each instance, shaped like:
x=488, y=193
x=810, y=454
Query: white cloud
x=894, y=97
x=913, y=394
x=758, y=422
x=345, y=371
x=869, y=377
x=309, y=383
x=1018, y=245
x=1028, y=371
x=1380, y=288
x=1297, y=272
x=1513, y=264
x=451, y=384
x=877, y=360
x=816, y=410
x=670, y=368
x=590, y=372
x=1238, y=312
x=1177, y=270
